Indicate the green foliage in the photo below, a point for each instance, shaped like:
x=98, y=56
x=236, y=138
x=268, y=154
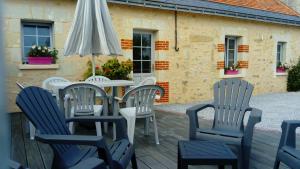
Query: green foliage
x=112, y=69
x=43, y=51
x=293, y=81
x=233, y=67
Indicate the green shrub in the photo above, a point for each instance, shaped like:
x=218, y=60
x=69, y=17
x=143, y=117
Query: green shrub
x=112, y=69
x=293, y=81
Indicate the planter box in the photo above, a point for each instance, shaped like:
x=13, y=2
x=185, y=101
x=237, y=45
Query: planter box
x=40, y=60
x=280, y=70
x=231, y=72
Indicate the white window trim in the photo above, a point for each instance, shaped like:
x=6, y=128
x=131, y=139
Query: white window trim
x=226, y=49
x=35, y=23
x=282, y=58
x=152, y=52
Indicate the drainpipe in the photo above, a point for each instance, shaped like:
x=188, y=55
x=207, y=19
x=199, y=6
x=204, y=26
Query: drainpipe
x=176, y=34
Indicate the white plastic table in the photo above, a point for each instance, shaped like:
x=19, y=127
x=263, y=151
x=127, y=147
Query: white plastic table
x=56, y=86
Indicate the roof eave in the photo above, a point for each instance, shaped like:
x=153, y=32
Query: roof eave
x=294, y=21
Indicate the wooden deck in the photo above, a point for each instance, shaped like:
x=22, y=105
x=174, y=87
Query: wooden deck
x=172, y=127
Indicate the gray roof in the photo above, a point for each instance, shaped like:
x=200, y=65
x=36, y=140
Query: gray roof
x=212, y=8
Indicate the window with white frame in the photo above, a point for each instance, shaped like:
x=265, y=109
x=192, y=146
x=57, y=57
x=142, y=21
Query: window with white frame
x=142, y=52
x=35, y=34
x=230, y=51
x=280, y=55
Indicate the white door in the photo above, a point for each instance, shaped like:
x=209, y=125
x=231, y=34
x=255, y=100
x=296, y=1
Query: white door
x=143, y=49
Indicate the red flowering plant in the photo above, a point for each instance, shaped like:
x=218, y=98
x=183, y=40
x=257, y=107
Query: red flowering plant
x=112, y=69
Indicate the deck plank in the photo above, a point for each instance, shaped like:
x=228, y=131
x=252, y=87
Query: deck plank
x=172, y=127
x=33, y=154
x=17, y=142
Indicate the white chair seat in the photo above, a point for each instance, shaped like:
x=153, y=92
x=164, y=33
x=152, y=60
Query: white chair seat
x=97, y=111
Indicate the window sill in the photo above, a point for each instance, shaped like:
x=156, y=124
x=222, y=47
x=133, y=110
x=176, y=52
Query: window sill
x=38, y=67
x=224, y=76
x=281, y=74
x=242, y=73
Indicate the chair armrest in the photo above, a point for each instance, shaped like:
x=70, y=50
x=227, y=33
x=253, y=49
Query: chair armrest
x=193, y=118
x=96, y=141
x=69, y=139
x=254, y=118
x=288, y=137
x=118, y=120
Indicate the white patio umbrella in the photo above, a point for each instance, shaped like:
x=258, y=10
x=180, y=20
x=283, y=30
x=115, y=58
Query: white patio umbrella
x=92, y=32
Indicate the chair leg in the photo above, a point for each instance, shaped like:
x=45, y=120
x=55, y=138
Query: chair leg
x=98, y=124
x=31, y=131
x=155, y=129
x=133, y=161
x=98, y=129
x=146, y=126
x=71, y=124
x=245, y=154
x=277, y=163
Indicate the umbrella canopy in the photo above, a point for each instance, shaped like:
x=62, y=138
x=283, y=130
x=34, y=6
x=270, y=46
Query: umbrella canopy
x=92, y=32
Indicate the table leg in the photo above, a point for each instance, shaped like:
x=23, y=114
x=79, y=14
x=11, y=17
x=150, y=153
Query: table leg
x=234, y=165
x=221, y=167
x=178, y=158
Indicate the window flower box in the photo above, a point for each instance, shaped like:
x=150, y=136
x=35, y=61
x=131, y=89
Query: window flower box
x=280, y=70
x=231, y=72
x=42, y=55
x=40, y=60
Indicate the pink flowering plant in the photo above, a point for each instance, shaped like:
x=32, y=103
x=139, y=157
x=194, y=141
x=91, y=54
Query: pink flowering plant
x=43, y=51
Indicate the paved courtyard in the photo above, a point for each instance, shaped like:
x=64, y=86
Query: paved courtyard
x=276, y=107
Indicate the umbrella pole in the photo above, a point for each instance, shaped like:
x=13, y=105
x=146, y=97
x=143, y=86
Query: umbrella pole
x=93, y=65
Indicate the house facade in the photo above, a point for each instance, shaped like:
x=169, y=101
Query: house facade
x=186, y=45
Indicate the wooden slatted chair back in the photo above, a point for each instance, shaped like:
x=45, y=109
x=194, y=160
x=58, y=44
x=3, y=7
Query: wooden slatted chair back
x=231, y=99
x=41, y=109
x=83, y=97
x=144, y=97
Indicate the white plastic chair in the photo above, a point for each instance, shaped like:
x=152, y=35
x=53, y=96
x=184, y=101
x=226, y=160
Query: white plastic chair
x=83, y=102
x=144, y=97
x=97, y=79
x=46, y=83
x=147, y=81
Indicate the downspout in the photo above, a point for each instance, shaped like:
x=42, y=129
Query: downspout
x=176, y=33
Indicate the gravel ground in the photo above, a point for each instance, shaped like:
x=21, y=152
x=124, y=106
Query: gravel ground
x=276, y=107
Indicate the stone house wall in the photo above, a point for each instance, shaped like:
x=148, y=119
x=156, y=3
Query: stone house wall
x=186, y=75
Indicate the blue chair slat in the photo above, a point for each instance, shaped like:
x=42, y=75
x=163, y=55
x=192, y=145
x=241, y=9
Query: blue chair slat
x=41, y=109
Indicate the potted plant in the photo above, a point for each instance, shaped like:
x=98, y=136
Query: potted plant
x=42, y=55
x=281, y=68
x=112, y=69
x=232, y=70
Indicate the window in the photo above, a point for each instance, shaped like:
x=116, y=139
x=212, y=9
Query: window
x=230, y=51
x=142, y=52
x=280, y=53
x=35, y=34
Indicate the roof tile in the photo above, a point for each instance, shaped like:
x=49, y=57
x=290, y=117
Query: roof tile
x=266, y=5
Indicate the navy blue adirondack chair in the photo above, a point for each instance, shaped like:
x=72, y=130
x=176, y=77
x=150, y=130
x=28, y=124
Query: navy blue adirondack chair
x=41, y=109
x=231, y=102
x=287, y=152
x=90, y=163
